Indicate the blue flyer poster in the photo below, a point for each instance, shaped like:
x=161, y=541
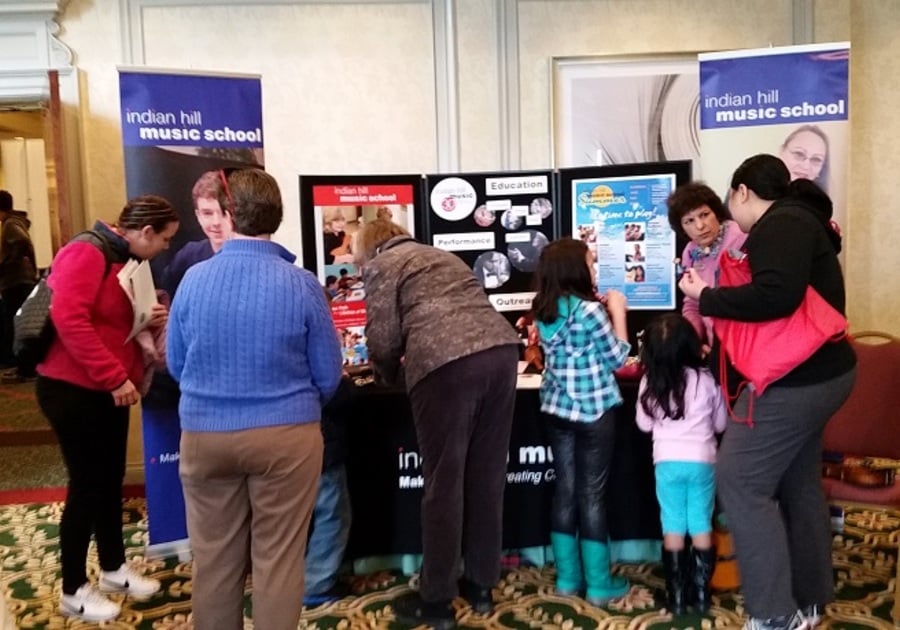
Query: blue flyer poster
x=624, y=221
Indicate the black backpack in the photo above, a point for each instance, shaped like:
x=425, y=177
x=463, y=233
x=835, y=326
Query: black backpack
x=34, y=331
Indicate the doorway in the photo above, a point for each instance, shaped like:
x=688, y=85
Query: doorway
x=24, y=173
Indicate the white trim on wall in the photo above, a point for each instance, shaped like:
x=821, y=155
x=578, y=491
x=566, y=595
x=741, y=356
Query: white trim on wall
x=446, y=77
x=446, y=85
x=131, y=15
x=803, y=21
x=508, y=73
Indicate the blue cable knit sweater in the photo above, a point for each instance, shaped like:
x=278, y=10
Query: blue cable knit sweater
x=251, y=341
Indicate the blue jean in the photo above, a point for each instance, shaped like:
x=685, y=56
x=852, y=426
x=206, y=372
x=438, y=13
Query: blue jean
x=582, y=455
x=330, y=531
x=686, y=493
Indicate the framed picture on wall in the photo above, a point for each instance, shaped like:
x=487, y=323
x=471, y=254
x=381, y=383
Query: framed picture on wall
x=609, y=110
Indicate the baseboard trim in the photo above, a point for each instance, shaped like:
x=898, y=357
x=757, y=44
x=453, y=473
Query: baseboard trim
x=30, y=437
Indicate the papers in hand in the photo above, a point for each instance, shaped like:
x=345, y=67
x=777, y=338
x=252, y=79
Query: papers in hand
x=137, y=282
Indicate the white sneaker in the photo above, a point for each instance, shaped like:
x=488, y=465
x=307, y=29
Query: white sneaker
x=88, y=604
x=126, y=579
x=813, y=615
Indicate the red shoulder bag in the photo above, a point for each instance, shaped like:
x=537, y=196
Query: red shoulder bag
x=766, y=351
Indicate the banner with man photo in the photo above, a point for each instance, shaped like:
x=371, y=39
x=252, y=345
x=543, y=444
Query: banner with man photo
x=179, y=130
x=790, y=101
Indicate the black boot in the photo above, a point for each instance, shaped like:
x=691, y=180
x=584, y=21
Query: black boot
x=478, y=596
x=704, y=564
x=678, y=574
x=412, y=610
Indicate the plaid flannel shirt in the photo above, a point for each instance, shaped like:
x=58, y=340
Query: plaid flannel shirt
x=580, y=358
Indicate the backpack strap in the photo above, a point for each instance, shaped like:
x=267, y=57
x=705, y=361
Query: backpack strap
x=98, y=240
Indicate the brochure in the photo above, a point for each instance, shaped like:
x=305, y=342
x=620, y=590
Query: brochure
x=136, y=280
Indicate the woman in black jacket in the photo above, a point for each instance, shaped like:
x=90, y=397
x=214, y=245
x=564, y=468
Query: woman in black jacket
x=768, y=475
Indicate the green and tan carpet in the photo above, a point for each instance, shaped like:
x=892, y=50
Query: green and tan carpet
x=865, y=557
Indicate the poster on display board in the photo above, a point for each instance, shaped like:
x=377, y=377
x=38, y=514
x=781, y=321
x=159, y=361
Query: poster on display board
x=620, y=212
x=179, y=128
x=789, y=101
x=333, y=208
x=498, y=223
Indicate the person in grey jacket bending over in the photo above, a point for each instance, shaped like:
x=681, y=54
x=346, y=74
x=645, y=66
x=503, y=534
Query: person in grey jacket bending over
x=430, y=323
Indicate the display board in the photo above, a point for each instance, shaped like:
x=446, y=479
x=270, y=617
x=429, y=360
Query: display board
x=620, y=211
x=498, y=223
x=332, y=210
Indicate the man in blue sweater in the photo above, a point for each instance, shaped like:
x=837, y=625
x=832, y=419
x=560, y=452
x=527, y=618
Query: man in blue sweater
x=252, y=344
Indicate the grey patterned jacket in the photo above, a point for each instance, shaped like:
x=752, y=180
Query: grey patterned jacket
x=426, y=305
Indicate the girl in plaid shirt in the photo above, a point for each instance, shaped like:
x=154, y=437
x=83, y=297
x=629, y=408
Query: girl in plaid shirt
x=583, y=346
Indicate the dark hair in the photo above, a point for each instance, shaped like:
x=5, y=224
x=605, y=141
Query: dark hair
x=819, y=203
x=330, y=280
x=6, y=201
x=687, y=198
x=768, y=177
x=561, y=271
x=253, y=199
x=764, y=174
x=144, y=210
x=670, y=344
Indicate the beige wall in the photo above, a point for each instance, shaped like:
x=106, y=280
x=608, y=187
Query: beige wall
x=357, y=88
x=873, y=254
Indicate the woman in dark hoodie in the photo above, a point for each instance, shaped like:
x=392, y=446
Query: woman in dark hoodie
x=768, y=475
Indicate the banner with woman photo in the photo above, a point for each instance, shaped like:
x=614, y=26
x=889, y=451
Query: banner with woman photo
x=179, y=130
x=790, y=101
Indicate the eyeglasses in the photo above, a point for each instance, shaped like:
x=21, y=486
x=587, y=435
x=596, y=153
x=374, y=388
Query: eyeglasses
x=801, y=156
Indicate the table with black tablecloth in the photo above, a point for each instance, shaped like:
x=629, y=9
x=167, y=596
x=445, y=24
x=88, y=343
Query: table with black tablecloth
x=384, y=474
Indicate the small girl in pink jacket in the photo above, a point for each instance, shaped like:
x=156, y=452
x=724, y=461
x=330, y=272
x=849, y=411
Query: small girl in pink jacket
x=680, y=402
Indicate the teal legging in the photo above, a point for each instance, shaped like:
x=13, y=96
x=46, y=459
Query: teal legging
x=686, y=492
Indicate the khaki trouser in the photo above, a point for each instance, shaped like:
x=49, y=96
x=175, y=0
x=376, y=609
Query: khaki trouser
x=249, y=497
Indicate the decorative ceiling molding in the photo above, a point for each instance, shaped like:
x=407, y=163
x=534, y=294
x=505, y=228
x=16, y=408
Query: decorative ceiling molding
x=29, y=47
x=48, y=8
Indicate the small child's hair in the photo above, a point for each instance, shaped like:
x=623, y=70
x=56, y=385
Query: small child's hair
x=561, y=271
x=670, y=344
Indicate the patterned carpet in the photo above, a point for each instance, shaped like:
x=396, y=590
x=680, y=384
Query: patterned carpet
x=865, y=557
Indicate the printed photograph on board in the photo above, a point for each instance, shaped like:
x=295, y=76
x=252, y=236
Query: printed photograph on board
x=338, y=212
x=624, y=221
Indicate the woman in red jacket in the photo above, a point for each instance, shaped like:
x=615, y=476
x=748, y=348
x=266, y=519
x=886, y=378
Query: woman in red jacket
x=86, y=384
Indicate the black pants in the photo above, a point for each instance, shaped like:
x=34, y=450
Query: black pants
x=582, y=455
x=12, y=299
x=463, y=414
x=93, y=435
